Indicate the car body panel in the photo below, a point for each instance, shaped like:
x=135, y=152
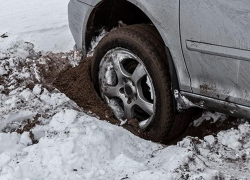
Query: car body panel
x=91, y=2
x=215, y=40
x=213, y=104
x=78, y=14
x=168, y=27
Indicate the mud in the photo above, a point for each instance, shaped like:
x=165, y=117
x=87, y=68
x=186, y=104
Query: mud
x=76, y=84
x=54, y=64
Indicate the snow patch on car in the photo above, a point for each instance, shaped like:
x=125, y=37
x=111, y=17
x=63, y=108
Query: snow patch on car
x=206, y=116
x=95, y=42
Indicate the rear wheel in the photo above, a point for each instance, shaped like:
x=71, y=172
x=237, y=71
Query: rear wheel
x=129, y=74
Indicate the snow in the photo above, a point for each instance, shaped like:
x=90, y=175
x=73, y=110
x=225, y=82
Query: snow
x=95, y=42
x=209, y=139
x=62, y=120
x=150, y=88
x=42, y=23
x=210, y=116
x=25, y=139
x=66, y=143
x=37, y=89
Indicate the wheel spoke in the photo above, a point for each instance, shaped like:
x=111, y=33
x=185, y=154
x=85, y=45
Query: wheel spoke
x=143, y=103
x=119, y=69
x=128, y=111
x=110, y=91
x=138, y=73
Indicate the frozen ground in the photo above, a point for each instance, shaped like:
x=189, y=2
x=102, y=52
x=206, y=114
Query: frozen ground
x=45, y=135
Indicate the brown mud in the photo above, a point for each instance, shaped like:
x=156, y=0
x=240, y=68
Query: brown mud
x=76, y=84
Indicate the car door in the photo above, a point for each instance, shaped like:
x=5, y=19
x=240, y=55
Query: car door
x=215, y=37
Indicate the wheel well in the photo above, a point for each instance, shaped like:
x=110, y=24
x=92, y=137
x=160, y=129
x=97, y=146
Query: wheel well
x=108, y=13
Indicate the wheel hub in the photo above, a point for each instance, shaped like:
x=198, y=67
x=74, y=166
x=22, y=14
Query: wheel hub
x=128, y=90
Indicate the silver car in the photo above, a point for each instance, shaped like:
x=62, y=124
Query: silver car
x=161, y=57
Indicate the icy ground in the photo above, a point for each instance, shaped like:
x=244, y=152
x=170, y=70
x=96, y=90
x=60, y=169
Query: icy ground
x=45, y=135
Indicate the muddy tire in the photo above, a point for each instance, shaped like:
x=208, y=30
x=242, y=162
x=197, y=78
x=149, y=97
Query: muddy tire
x=144, y=42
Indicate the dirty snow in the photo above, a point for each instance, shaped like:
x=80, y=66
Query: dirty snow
x=65, y=143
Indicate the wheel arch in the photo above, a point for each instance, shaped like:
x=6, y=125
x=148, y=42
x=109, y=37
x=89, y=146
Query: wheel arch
x=105, y=10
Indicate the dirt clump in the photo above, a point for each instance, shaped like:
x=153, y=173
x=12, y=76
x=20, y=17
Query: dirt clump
x=76, y=84
x=53, y=64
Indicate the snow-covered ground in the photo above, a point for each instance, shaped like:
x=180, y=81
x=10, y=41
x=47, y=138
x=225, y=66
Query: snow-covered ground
x=41, y=22
x=45, y=135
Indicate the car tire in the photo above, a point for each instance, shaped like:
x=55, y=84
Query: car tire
x=143, y=41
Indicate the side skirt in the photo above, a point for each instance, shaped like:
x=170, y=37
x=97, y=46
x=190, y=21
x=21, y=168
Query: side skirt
x=194, y=100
